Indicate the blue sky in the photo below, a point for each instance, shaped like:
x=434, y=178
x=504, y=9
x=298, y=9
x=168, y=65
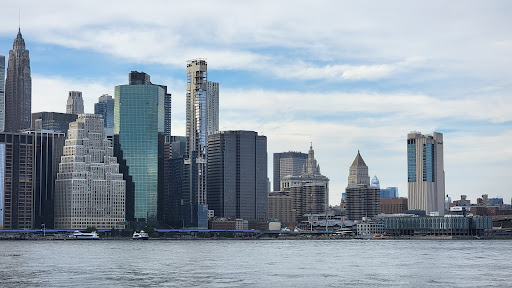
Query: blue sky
x=346, y=76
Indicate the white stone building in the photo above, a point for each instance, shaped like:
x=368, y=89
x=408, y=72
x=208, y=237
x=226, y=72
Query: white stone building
x=90, y=191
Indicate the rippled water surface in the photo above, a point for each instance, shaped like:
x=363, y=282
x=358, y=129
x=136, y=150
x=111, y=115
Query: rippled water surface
x=259, y=263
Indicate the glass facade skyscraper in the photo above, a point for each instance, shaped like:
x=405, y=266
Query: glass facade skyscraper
x=425, y=172
x=105, y=108
x=139, y=121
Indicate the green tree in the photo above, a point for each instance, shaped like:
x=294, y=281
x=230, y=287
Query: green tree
x=91, y=229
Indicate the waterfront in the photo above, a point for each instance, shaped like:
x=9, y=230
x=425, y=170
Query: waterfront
x=248, y=263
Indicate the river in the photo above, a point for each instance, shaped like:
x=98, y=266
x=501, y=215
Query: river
x=256, y=263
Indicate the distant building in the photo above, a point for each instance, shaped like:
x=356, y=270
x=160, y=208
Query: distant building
x=375, y=182
x=287, y=163
x=139, y=137
x=18, y=88
x=229, y=224
x=48, y=149
x=105, y=108
x=177, y=212
x=54, y=121
x=2, y=93
x=393, y=205
x=237, y=175
x=16, y=180
x=90, y=191
x=425, y=172
x=75, y=103
x=212, y=107
x=309, y=191
x=362, y=199
x=389, y=192
x=279, y=207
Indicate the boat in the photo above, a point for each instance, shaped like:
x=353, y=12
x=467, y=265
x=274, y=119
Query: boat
x=85, y=235
x=140, y=235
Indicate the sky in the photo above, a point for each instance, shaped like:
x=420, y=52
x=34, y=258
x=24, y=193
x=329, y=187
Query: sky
x=344, y=75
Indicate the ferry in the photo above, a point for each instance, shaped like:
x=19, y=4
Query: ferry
x=85, y=235
x=140, y=235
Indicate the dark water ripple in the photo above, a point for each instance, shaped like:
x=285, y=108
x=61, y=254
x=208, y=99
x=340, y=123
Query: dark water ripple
x=300, y=263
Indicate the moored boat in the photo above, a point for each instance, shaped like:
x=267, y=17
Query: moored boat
x=140, y=235
x=85, y=235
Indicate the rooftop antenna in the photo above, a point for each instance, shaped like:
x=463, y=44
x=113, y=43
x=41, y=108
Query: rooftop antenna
x=19, y=20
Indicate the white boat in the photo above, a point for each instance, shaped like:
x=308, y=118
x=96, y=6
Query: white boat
x=85, y=235
x=140, y=235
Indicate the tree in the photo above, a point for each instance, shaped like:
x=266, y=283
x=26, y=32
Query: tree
x=91, y=229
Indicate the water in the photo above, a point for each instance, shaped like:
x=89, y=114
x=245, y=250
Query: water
x=258, y=263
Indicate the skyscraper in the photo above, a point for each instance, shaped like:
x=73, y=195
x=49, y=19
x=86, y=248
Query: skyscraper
x=105, y=108
x=18, y=88
x=425, y=172
x=199, y=126
x=139, y=132
x=2, y=93
x=362, y=199
x=75, y=103
x=48, y=149
x=309, y=192
x=212, y=107
x=237, y=175
x=90, y=191
x=16, y=180
x=287, y=163
x=58, y=122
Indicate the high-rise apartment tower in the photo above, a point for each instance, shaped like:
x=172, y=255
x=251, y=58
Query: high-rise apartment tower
x=202, y=120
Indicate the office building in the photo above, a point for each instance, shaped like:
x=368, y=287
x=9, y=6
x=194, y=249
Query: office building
x=18, y=88
x=393, y=205
x=362, y=200
x=287, y=163
x=90, y=191
x=201, y=121
x=389, y=192
x=139, y=132
x=105, y=108
x=425, y=172
x=75, y=103
x=237, y=175
x=2, y=92
x=16, y=180
x=309, y=192
x=48, y=148
x=177, y=212
x=212, y=107
x=279, y=207
x=54, y=121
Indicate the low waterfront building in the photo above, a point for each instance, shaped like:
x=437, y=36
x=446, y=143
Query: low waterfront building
x=436, y=226
x=229, y=224
x=370, y=228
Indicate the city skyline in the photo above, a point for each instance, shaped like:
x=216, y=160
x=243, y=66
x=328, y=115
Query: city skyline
x=345, y=78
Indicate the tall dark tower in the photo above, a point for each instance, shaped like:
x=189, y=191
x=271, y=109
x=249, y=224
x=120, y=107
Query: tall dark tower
x=18, y=88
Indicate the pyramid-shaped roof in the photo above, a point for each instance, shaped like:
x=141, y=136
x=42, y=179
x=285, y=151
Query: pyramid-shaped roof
x=359, y=160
